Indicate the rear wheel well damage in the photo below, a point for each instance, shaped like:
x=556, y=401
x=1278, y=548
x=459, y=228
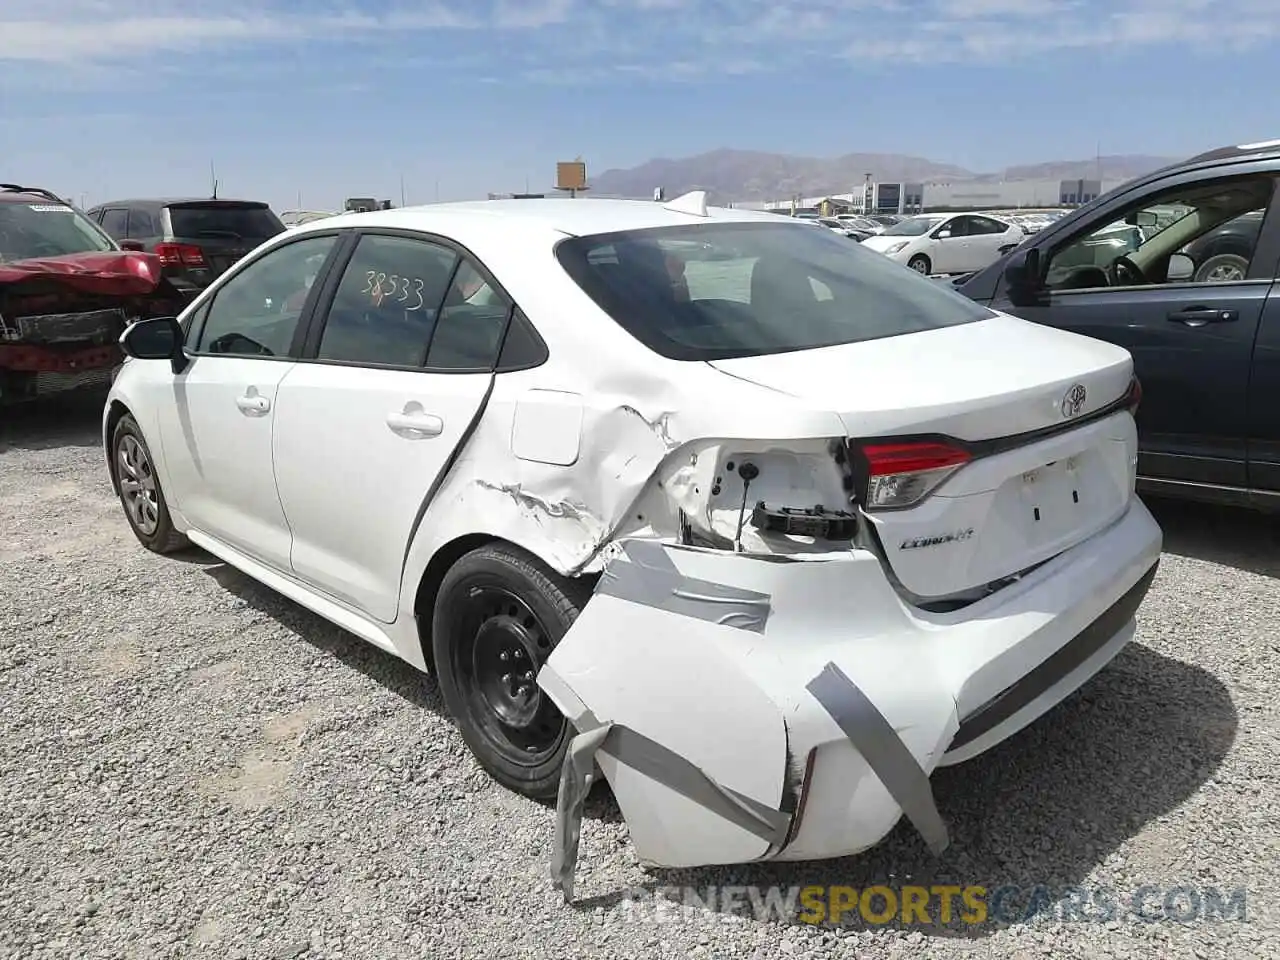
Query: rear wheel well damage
x=442, y=560
x=117, y=412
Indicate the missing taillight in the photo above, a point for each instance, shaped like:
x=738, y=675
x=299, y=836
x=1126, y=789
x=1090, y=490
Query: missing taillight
x=891, y=476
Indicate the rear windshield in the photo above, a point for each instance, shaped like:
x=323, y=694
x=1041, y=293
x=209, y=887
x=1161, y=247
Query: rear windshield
x=720, y=290
x=234, y=221
x=29, y=231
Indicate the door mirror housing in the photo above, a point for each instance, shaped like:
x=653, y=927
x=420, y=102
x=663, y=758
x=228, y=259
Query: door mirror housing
x=1181, y=268
x=943, y=234
x=158, y=338
x=1023, y=277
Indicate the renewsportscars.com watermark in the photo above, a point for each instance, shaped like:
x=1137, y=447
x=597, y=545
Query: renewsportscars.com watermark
x=938, y=904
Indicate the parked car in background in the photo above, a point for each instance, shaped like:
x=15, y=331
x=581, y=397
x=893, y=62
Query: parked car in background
x=195, y=239
x=67, y=293
x=1179, y=267
x=947, y=243
x=1223, y=254
x=861, y=223
x=474, y=438
x=845, y=228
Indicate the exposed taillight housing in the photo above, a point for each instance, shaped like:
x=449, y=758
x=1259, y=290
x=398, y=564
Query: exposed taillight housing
x=180, y=255
x=898, y=475
x=1133, y=397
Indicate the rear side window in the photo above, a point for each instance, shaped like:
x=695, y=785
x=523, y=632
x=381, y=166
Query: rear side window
x=720, y=290
x=387, y=303
x=232, y=221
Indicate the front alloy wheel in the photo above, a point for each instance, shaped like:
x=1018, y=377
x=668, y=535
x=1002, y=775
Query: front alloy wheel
x=141, y=494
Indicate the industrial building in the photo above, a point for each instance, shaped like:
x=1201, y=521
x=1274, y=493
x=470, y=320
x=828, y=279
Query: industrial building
x=895, y=197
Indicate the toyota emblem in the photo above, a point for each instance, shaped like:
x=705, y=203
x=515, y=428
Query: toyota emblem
x=1073, y=401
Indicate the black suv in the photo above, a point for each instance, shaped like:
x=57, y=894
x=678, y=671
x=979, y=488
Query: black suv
x=1180, y=267
x=196, y=240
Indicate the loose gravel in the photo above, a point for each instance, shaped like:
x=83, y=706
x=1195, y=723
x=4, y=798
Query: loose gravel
x=191, y=766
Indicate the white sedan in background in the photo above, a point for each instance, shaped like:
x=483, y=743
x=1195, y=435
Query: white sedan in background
x=947, y=243
x=714, y=499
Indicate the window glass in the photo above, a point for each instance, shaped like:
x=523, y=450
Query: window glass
x=256, y=312
x=142, y=224
x=1200, y=233
x=29, y=230
x=719, y=290
x=115, y=222
x=522, y=348
x=387, y=302
x=471, y=323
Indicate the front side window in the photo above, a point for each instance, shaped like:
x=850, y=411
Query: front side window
x=256, y=312
x=738, y=289
x=1201, y=233
x=388, y=302
x=30, y=231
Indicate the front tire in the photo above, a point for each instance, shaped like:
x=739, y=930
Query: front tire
x=141, y=495
x=920, y=264
x=498, y=615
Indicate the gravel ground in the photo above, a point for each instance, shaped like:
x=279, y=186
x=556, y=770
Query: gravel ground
x=191, y=766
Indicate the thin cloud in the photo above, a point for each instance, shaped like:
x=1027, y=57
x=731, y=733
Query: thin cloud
x=555, y=40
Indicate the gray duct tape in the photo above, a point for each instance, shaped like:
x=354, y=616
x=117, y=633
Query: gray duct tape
x=648, y=577
x=658, y=763
x=874, y=737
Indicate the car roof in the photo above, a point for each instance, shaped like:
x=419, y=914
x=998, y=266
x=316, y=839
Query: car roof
x=576, y=217
x=13, y=193
x=167, y=201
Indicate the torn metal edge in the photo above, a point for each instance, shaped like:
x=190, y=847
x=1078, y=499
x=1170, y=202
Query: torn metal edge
x=874, y=737
x=644, y=574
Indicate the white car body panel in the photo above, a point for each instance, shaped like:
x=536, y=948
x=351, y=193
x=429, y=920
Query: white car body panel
x=589, y=460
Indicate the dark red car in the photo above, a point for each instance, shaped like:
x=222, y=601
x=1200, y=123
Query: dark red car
x=67, y=293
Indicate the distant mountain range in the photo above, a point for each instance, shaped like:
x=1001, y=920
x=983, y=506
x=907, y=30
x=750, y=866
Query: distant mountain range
x=750, y=175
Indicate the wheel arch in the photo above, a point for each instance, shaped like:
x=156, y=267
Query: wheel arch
x=442, y=559
x=116, y=411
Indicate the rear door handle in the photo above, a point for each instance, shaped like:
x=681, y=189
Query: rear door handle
x=414, y=423
x=253, y=405
x=1199, y=316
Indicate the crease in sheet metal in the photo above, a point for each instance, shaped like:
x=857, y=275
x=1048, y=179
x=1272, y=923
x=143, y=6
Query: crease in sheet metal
x=874, y=737
x=647, y=576
x=659, y=764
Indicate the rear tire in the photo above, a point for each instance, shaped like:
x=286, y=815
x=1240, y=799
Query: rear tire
x=141, y=495
x=920, y=264
x=1223, y=268
x=498, y=615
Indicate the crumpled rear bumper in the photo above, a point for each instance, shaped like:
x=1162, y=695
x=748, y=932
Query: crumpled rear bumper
x=747, y=708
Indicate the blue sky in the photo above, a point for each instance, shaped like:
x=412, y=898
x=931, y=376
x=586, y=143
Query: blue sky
x=106, y=98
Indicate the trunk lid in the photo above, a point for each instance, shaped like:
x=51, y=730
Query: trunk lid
x=1025, y=461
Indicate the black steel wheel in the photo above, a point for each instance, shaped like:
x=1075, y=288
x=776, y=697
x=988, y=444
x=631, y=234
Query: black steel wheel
x=499, y=614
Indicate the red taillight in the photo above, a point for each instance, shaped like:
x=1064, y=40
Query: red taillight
x=1133, y=399
x=902, y=474
x=180, y=254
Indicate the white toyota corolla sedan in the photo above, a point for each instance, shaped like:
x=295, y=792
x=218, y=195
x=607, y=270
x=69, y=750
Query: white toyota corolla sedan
x=778, y=525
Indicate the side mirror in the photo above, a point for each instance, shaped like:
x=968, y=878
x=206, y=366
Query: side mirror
x=134, y=246
x=1023, y=278
x=1181, y=268
x=159, y=338
x=943, y=234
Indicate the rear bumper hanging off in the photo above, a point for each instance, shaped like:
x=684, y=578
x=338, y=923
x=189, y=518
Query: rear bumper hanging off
x=746, y=708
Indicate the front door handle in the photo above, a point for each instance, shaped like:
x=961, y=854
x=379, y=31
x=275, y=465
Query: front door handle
x=253, y=405
x=1199, y=316
x=414, y=423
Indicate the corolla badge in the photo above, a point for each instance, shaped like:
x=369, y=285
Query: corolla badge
x=1073, y=401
